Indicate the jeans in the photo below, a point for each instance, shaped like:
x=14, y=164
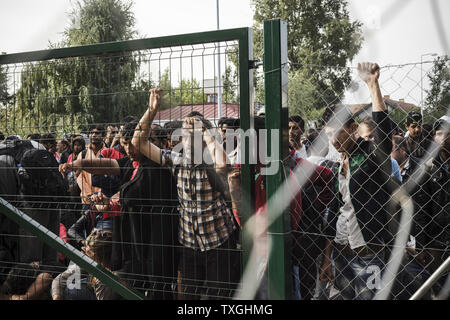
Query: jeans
x=359, y=277
x=211, y=274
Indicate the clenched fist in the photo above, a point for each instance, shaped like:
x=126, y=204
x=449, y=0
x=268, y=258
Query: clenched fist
x=369, y=72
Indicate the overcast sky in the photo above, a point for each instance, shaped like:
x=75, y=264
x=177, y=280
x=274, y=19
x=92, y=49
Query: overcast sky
x=395, y=31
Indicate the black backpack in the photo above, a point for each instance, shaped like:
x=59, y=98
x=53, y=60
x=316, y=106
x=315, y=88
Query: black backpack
x=40, y=182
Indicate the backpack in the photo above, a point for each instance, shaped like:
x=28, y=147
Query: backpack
x=38, y=174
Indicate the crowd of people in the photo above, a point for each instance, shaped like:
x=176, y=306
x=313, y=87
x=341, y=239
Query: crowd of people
x=170, y=227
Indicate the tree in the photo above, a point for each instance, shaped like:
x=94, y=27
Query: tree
x=321, y=41
x=437, y=101
x=187, y=91
x=73, y=92
x=229, y=94
x=4, y=96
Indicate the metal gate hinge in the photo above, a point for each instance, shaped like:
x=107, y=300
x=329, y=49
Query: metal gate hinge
x=253, y=64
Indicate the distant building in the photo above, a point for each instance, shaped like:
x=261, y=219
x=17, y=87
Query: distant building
x=209, y=110
x=365, y=110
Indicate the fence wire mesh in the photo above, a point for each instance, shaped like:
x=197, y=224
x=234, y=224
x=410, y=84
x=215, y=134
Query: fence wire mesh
x=168, y=231
x=88, y=108
x=349, y=214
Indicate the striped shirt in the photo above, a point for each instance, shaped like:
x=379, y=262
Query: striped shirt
x=205, y=220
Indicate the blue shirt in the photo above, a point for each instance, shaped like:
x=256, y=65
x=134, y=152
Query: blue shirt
x=396, y=170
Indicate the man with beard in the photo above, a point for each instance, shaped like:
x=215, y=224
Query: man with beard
x=94, y=149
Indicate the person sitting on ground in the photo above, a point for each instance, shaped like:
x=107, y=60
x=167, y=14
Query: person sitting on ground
x=27, y=282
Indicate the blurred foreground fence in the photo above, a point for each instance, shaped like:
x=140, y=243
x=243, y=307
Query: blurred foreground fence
x=300, y=250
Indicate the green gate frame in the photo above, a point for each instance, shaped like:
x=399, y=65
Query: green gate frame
x=276, y=102
x=245, y=45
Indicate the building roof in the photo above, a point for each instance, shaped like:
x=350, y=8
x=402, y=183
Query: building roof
x=357, y=109
x=209, y=111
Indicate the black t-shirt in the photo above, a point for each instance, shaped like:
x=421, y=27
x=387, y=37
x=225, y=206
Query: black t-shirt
x=126, y=169
x=146, y=231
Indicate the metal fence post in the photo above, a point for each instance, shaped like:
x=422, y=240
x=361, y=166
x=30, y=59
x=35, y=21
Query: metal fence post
x=276, y=81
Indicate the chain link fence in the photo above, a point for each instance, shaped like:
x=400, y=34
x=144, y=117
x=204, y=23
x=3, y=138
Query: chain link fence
x=168, y=230
x=342, y=247
x=156, y=228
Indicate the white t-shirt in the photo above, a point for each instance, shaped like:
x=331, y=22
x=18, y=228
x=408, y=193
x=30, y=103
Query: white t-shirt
x=347, y=227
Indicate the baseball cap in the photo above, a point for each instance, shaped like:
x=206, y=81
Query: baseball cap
x=413, y=117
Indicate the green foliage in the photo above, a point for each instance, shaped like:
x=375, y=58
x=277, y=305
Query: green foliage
x=321, y=41
x=4, y=96
x=437, y=101
x=229, y=83
x=68, y=94
x=97, y=21
x=398, y=116
x=187, y=92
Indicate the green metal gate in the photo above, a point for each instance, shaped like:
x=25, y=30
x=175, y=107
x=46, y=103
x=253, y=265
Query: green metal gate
x=47, y=106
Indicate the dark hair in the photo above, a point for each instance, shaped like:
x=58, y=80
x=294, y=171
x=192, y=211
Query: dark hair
x=400, y=142
x=260, y=123
x=440, y=124
x=427, y=131
x=206, y=123
x=194, y=114
x=298, y=120
x=34, y=136
x=80, y=140
x=97, y=126
x=129, y=119
x=368, y=121
x=128, y=129
x=2, y=136
x=20, y=278
x=230, y=122
x=48, y=138
x=65, y=142
x=171, y=126
x=158, y=133
x=413, y=117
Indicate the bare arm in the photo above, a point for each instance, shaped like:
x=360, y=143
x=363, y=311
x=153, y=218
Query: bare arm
x=37, y=288
x=142, y=132
x=93, y=166
x=369, y=73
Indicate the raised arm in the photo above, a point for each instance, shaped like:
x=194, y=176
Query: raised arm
x=369, y=73
x=142, y=132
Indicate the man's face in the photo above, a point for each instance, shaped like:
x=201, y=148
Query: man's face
x=96, y=136
x=443, y=139
x=415, y=129
x=60, y=147
x=111, y=132
x=130, y=150
x=77, y=147
x=399, y=154
x=342, y=138
x=295, y=134
x=172, y=143
x=365, y=132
